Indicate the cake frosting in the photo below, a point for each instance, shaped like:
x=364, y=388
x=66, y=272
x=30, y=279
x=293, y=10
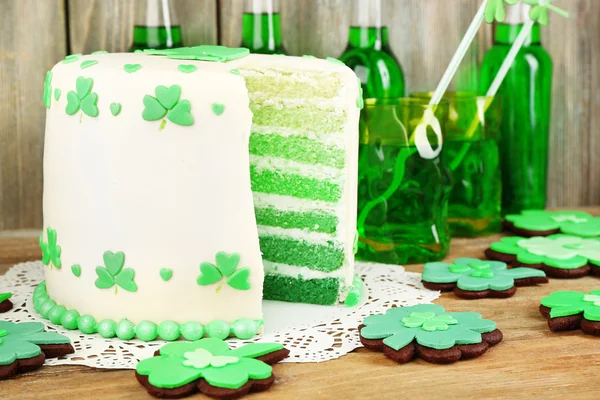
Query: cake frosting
x=154, y=164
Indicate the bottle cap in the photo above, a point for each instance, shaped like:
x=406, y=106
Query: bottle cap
x=517, y=14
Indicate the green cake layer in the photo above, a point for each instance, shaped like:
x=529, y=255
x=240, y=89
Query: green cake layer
x=319, y=120
x=318, y=257
x=311, y=221
x=313, y=291
x=289, y=184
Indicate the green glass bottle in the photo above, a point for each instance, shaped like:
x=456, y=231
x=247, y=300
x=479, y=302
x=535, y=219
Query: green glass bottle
x=369, y=55
x=156, y=27
x=261, y=27
x=526, y=95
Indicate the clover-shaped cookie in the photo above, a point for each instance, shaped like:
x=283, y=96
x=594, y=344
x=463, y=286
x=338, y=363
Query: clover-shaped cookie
x=50, y=250
x=82, y=98
x=209, y=366
x=25, y=346
x=113, y=273
x=5, y=303
x=226, y=266
x=428, y=331
x=572, y=310
x=471, y=278
x=543, y=223
x=559, y=256
x=167, y=103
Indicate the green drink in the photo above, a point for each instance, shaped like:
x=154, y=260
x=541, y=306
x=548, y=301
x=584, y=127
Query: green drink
x=261, y=27
x=369, y=55
x=402, y=197
x=156, y=27
x=526, y=94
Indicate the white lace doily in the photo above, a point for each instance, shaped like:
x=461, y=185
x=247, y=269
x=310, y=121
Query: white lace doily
x=311, y=333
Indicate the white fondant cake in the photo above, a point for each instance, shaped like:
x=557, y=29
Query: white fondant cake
x=148, y=208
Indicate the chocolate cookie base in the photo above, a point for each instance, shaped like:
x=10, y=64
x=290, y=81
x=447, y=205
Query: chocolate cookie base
x=5, y=306
x=446, y=356
x=33, y=363
x=553, y=272
x=509, y=226
x=571, y=322
x=481, y=294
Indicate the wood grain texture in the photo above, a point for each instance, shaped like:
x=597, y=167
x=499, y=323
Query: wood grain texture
x=107, y=24
x=32, y=40
x=531, y=361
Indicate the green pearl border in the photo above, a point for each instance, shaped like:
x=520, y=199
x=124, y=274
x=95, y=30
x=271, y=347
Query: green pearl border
x=45, y=306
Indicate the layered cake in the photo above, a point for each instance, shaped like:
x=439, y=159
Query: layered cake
x=167, y=173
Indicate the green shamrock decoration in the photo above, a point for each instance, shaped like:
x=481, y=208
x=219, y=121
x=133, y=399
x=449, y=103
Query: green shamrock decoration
x=167, y=103
x=539, y=11
x=567, y=303
x=5, y=296
x=429, y=321
x=83, y=98
x=48, y=89
x=50, y=250
x=226, y=267
x=495, y=10
x=113, y=273
x=577, y=223
x=22, y=340
x=181, y=363
x=203, y=53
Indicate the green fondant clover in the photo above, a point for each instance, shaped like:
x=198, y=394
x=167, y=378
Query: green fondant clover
x=167, y=103
x=472, y=274
x=48, y=89
x=539, y=11
x=495, y=10
x=566, y=303
x=21, y=340
x=5, y=296
x=398, y=327
x=203, y=53
x=82, y=98
x=211, y=359
x=226, y=266
x=113, y=273
x=577, y=223
x=50, y=250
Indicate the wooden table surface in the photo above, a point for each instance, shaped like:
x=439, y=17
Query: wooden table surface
x=531, y=361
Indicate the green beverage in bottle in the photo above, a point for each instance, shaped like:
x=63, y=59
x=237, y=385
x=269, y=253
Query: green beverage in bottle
x=156, y=27
x=402, y=197
x=261, y=27
x=526, y=96
x=369, y=55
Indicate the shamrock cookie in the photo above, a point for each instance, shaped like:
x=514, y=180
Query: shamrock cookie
x=543, y=223
x=5, y=303
x=429, y=332
x=471, y=278
x=559, y=256
x=25, y=346
x=209, y=366
x=567, y=311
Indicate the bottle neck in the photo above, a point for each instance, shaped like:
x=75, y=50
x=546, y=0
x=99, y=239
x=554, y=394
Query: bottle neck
x=261, y=32
x=371, y=37
x=507, y=34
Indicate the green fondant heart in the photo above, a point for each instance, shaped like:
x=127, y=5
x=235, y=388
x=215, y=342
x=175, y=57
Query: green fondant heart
x=83, y=86
x=209, y=274
x=181, y=115
x=218, y=109
x=168, y=96
x=76, y=270
x=57, y=93
x=227, y=263
x=239, y=280
x=105, y=280
x=125, y=280
x=115, y=108
x=187, y=68
x=153, y=110
x=72, y=103
x=88, y=63
x=131, y=68
x=166, y=274
x=114, y=261
x=89, y=105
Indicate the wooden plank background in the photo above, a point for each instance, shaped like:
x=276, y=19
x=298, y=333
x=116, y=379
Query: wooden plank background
x=35, y=34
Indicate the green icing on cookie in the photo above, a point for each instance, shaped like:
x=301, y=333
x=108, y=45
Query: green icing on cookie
x=113, y=273
x=472, y=274
x=88, y=63
x=71, y=58
x=166, y=274
x=210, y=359
x=76, y=270
x=167, y=103
x=218, y=109
x=115, y=108
x=226, y=266
x=50, y=250
x=566, y=303
x=429, y=324
x=203, y=53
x=5, y=296
x=21, y=340
x=57, y=93
x=577, y=223
x=48, y=89
x=83, y=98
x=131, y=68
x=187, y=68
